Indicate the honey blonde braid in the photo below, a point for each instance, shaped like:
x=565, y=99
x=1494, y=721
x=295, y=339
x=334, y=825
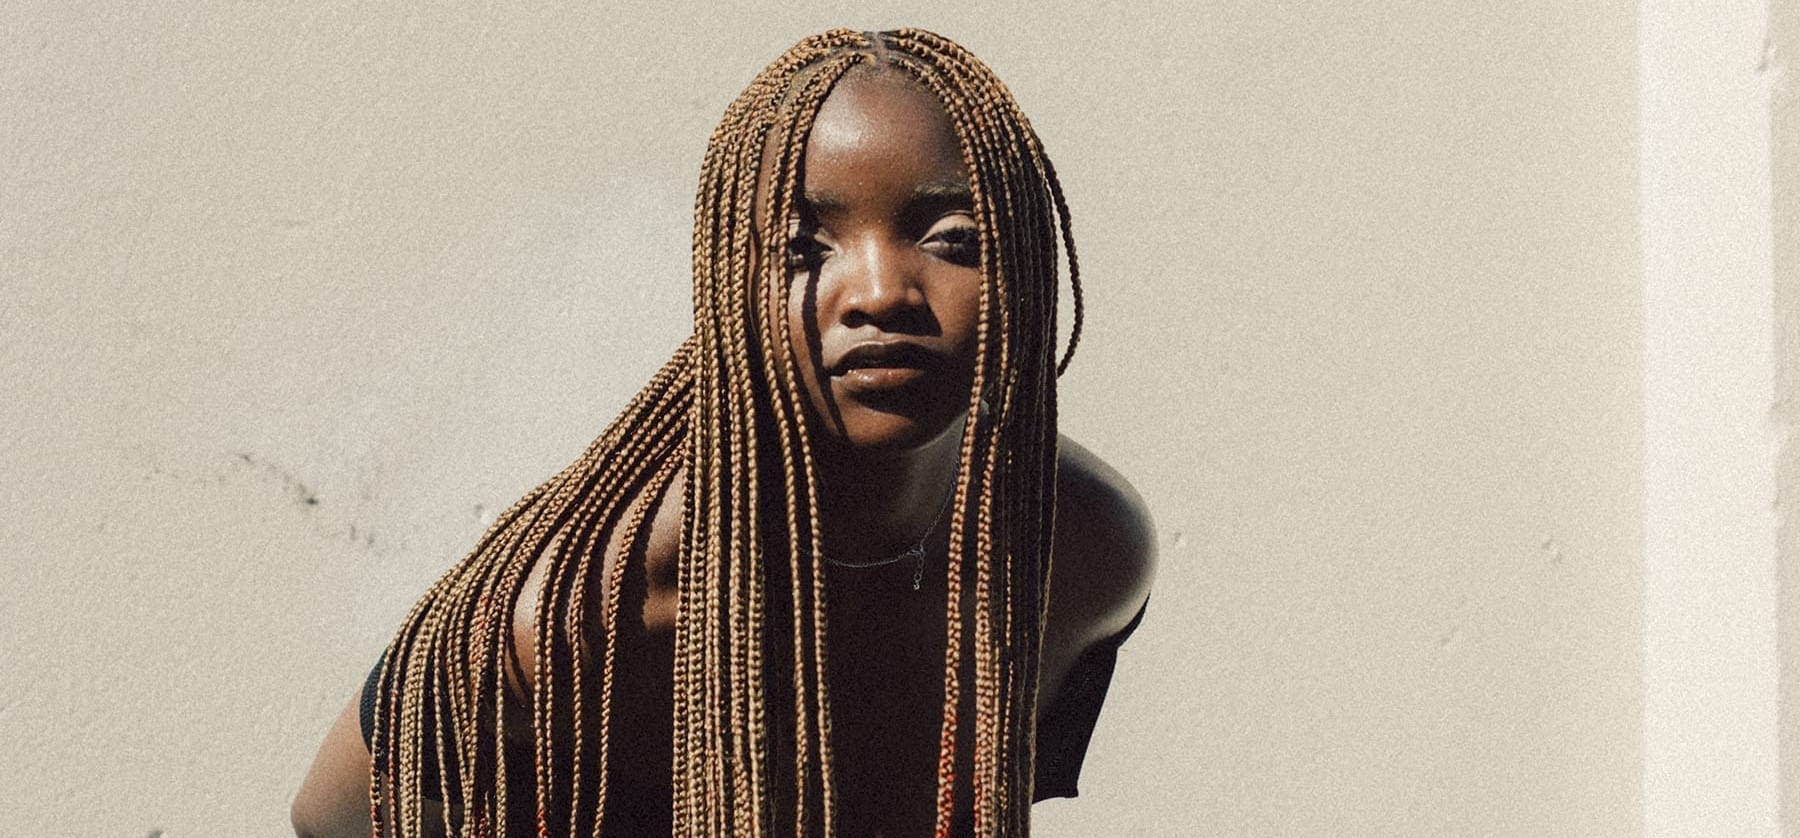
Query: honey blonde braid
x=752, y=752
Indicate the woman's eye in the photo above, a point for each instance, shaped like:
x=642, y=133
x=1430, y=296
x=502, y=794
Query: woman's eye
x=960, y=245
x=805, y=252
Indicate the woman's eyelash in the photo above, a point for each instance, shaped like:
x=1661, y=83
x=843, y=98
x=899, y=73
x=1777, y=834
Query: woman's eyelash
x=958, y=245
x=957, y=236
x=803, y=249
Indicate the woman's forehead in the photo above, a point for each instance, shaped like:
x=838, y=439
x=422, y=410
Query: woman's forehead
x=891, y=101
x=877, y=125
x=875, y=114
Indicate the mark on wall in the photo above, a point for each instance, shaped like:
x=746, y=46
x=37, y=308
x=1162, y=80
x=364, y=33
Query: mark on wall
x=1460, y=628
x=291, y=484
x=308, y=500
x=1773, y=66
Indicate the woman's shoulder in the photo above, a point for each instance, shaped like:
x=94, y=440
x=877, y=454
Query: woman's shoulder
x=647, y=596
x=1104, y=554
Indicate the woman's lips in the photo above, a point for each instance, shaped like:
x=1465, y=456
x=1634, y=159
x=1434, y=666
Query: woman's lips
x=876, y=367
x=877, y=379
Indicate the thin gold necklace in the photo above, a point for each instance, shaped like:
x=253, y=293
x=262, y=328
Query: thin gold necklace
x=916, y=552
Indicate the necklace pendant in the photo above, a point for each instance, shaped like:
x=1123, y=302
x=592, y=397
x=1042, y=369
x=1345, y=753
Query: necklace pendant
x=917, y=554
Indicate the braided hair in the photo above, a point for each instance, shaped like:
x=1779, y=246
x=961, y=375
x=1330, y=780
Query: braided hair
x=752, y=747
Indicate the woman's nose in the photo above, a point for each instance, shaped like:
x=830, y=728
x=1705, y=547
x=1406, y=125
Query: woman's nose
x=883, y=283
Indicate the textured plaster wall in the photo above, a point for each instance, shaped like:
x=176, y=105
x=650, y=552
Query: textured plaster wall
x=1713, y=422
x=294, y=297
x=1783, y=47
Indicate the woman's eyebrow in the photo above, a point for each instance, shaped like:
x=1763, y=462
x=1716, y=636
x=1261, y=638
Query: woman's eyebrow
x=931, y=201
x=820, y=203
x=929, y=195
x=943, y=192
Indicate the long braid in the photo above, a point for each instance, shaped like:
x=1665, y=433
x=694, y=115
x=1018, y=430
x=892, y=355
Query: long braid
x=1023, y=180
x=813, y=609
x=725, y=412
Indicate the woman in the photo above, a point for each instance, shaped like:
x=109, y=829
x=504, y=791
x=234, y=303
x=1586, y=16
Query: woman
x=832, y=571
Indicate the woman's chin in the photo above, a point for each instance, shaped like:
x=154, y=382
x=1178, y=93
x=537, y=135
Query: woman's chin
x=876, y=434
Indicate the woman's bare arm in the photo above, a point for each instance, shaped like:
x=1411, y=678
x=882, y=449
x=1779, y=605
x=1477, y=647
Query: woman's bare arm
x=334, y=800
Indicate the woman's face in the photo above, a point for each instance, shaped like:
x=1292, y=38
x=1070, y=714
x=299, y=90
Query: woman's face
x=884, y=288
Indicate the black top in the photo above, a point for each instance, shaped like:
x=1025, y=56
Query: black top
x=1065, y=725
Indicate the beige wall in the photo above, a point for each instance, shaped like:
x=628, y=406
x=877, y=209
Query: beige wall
x=1784, y=40
x=1785, y=153
x=293, y=297
x=1714, y=420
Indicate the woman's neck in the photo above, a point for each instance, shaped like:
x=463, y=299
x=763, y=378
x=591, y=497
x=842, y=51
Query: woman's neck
x=884, y=502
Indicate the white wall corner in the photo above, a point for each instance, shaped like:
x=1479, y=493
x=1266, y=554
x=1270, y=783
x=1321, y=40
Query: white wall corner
x=1712, y=671
x=1782, y=48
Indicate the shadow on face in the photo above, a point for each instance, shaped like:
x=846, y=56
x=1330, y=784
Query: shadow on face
x=883, y=287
